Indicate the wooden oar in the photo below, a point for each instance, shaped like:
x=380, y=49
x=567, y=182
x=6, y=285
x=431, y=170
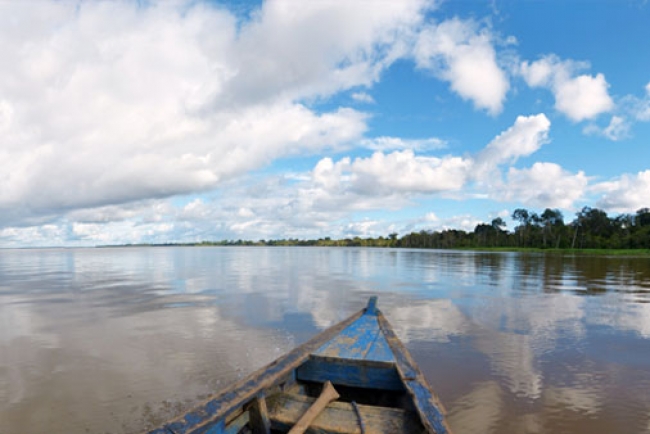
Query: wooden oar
x=328, y=395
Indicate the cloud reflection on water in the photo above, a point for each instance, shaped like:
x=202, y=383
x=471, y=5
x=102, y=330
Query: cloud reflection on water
x=126, y=337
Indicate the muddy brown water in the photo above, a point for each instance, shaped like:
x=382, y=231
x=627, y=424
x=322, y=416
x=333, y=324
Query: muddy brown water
x=118, y=340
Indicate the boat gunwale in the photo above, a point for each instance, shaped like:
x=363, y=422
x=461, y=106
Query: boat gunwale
x=427, y=404
x=249, y=386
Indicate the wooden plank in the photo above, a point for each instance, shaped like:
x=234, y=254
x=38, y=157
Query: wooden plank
x=340, y=417
x=225, y=402
x=217, y=428
x=238, y=423
x=426, y=402
x=327, y=395
x=355, y=373
x=259, y=417
x=361, y=340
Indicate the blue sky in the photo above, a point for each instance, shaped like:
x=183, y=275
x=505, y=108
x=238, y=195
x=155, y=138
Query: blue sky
x=128, y=122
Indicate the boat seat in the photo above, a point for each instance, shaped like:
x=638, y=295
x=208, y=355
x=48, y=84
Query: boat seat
x=368, y=374
x=340, y=417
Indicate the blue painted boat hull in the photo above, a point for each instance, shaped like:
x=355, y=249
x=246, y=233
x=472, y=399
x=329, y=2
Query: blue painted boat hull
x=381, y=388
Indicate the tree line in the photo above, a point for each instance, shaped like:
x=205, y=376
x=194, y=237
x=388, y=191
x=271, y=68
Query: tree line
x=591, y=228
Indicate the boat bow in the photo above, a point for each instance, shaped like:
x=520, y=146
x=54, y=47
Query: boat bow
x=362, y=356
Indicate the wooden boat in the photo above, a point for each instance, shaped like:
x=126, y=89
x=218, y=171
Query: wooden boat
x=379, y=388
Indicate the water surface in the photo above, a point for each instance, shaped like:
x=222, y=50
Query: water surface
x=118, y=340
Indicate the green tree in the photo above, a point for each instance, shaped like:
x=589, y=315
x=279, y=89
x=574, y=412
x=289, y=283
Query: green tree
x=552, y=224
x=594, y=226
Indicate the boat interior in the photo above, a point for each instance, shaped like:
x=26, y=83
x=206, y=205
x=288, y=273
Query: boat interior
x=363, y=406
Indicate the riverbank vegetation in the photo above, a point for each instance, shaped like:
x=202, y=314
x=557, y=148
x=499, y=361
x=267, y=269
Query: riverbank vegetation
x=591, y=229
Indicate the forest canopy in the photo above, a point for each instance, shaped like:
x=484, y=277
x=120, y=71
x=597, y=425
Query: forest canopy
x=591, y=228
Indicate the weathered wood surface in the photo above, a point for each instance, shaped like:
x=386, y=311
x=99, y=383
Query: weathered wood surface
x=349, y=372
x=259, y=417
x=328, y=395
x=362, y=340
x=217, y=408
x=340, y=417
x=234, y=426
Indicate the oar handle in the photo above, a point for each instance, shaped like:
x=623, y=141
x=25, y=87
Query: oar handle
x=328, y=395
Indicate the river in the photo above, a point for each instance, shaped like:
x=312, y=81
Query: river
x=117, y=340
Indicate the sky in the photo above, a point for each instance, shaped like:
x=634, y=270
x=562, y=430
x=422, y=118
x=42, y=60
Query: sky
x=188, y=120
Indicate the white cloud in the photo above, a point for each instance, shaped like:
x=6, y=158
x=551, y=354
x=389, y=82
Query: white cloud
x=578, y=97
x=397, y=172
x=364, y=228
x=539, y=73
x=148, y=211
x=628, y=193
x=633, y=108
x=363, y=97
x=323, y=201
x=431, y=217
x=319, y=48
x=544, y=185
x=583, y=97
x=430, y=221
x=618, y=129
x=461, y=53
x=106, y=103
x=6, y=115
x=525, y=137
x=405, y=172
x=641, y=109
x=385, y=143
x=643, y=112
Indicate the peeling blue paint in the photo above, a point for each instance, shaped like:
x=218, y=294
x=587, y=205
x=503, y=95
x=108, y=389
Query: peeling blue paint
x=362, y=340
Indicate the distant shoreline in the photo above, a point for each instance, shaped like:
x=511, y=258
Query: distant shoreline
x=560, y=251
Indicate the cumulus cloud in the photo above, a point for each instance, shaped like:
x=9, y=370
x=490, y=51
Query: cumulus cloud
x=629, y=109
x=392, y=179
x=106, y=103
x=403, y=171
x=544, y=185
x=406, y=174
x=332, y=199
x=397, y=172
x=628, y=193
x=462, y=53
x=302, y=51
x=525, y=137
x=579, y=97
